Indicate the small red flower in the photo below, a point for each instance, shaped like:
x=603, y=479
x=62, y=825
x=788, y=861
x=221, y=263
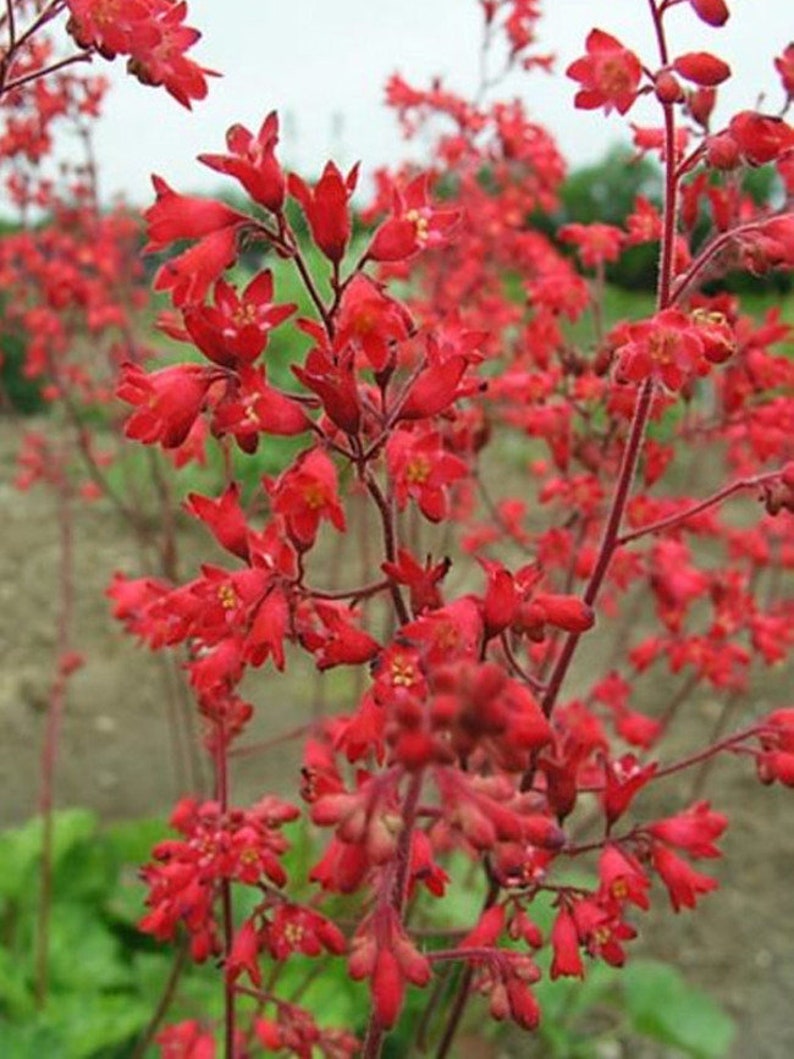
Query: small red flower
x=609, y=74
x=326, y=208
x=714, y=12
x=174, y=216
x=684, y=884
x=567, y=960
x=413, y=226
x=252, y=161
x=168, y=401
x=306, y=493
x=703, y=68
x=234, y=331
x=784, y=64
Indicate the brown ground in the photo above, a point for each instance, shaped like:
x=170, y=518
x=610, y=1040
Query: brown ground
x=117, y=750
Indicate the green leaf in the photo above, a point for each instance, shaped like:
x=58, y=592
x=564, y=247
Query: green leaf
x=21, y=848
x=84, y=1026
x=132, y=840
x=84, y=954
x=662, y=1005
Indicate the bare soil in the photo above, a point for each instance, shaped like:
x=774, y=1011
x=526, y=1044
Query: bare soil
x=119, y=744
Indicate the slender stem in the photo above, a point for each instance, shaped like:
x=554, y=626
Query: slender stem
x=464, y=986
x=396, y=898
x=703, y=505
x=164, y=1003
x=49, y=756
x=642, y=408
x=389, y=541
x=82, y=57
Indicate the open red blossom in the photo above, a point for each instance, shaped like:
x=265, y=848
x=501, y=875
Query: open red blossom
x=761, y=138
x=306, y=493
x=414, y=224
x=702, y=68
x=596, y=244
x=168, y=401
x=251, y=407
x=372, y=321
x=421, y=469
x=667, y=347
x=623, y=780
x=328, y=631
x=693, y=830
x=421, y=581
x=609, y=74
x=326, y=208
x=151, y=33
x=684, y=884
x=714, y=12
x=622, y=878
x=235, y=330
x=252, y=161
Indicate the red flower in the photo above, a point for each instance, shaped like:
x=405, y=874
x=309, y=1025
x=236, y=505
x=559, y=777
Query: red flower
x=326, y=208
x=420, y=468
x=169, y=401
x=253, y=162
x=693, y=830
x=235, y=330
x=609, y=74
x=244, y=955
x=158, y=58
x=595, y=243
x=667, y=346
x=622, y=878
x=372, y=321
x=174, y=216
x=251, y=407
x=306, y=493
x=413, y=226
x=567, y=961
x=784, y=64
x=761, y=138
x=703, y=68
x=224, y=517
x=190, y=275
x=714, y=12
x=421, y=581
x=186, y=1040
x=683, y=883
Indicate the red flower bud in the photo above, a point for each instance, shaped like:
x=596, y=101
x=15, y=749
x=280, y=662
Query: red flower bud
x=703, y=68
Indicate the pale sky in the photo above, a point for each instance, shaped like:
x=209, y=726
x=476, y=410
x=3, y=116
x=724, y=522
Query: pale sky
x=314, y=59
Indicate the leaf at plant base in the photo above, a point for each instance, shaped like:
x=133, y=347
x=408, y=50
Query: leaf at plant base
x=84, y=954
x=663, y=1005
x=16, y=1000
x=87, y=1026
x=132, y=840
x=20, y=848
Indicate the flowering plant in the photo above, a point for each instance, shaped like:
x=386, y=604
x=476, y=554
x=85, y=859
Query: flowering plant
x=477, y=744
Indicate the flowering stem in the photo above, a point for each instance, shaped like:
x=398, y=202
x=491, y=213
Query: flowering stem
x=374, y=1039
x=704, y=505
x=609, y=541
x=464, y=985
